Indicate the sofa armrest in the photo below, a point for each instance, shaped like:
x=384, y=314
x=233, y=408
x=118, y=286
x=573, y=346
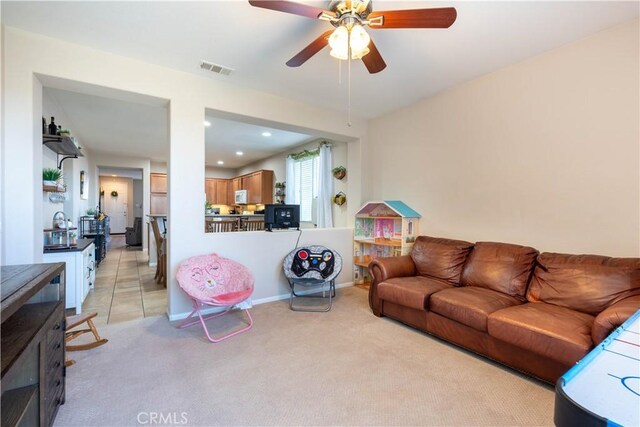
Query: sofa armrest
x=612, y=317
x=382, y=269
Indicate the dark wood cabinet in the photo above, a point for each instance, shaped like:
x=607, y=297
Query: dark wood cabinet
x=32, y=343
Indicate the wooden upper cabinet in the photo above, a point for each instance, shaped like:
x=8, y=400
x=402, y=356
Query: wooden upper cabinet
x=267, y=187
x=158, y=198
x=236, y=184
x=222, y=190
x=158, y=204
x=158, y=182
x=259, y=186
x=254, y=188
x=217, y=190
x=210, y=190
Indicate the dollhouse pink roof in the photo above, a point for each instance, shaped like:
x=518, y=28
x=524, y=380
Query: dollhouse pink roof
x=388, y=208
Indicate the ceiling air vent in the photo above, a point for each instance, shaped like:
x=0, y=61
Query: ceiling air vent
x=215, y=68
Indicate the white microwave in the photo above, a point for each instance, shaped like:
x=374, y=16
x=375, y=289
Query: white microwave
x=241, y=197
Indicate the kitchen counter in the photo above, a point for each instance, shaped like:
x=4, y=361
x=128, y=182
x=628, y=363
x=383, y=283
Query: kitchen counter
x=81, y=246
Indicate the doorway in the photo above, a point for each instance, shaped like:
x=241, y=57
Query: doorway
x=116, y=205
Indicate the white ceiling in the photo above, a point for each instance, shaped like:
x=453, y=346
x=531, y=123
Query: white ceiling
x=225, y=137
x=257, y=42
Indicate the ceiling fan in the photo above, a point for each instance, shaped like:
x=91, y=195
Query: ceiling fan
x=349, y=17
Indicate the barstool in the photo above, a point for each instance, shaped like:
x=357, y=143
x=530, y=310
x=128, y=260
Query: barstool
x=161, y=253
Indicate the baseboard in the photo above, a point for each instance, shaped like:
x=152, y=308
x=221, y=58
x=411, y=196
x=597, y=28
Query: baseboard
x=280, y=297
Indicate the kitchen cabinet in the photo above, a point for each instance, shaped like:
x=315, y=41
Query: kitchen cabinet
x=217, y=190
x=235, y=184
x=222, y=190
x=158, y=199
x=32, y=335
x=259, y=186
x=158, y=183
x=210, y=190
x=80, y=271
x=158, y=205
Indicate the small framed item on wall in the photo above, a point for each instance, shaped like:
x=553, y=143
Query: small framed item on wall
x=84, y=185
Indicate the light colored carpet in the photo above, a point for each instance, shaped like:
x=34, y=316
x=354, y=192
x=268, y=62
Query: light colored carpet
x=344, y=367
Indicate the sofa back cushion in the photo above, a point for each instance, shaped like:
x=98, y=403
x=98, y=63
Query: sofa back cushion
x=440, y=258
x=501, y=267
x=587, y=283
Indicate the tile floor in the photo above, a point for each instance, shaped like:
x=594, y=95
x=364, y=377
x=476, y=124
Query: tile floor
x=125, y=288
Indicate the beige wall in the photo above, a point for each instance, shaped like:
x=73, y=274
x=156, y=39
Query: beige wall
x=544, y=152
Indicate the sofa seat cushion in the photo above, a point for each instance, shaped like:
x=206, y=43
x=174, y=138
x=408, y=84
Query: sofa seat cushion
x=470, y=306
x=413, y=292
x=552, y=331
x=440, y=258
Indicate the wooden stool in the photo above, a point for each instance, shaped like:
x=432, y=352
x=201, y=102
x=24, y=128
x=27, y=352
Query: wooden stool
x=161, y=253
x=72, y=322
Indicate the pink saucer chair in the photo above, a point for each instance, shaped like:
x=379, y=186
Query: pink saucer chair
x=214, y=281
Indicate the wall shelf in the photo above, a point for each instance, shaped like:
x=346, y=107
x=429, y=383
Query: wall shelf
x=53, y=189
x=62, y=146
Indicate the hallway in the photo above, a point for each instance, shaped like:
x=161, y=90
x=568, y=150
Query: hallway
x=125, y=288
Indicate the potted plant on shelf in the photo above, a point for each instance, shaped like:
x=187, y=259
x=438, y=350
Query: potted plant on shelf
x=51, y=176
x=208, y=208
x=339, y=172
x=91, y=212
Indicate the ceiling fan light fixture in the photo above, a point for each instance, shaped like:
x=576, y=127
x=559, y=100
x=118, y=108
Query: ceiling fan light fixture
x=359, y=39
x=338, y=41
x=342, y=38
x=359, y=54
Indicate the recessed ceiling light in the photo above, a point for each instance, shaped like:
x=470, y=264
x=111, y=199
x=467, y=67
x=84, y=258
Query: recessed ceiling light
x=220, y=162
x=266, y=133
x=207, y=123
x=239, y=153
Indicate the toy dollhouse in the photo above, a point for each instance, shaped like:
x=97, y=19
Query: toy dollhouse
x=382, y=229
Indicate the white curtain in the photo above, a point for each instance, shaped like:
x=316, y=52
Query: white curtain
x=289, y=188
x=325, y=188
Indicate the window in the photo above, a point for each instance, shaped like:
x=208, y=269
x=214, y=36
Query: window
x=305, y=186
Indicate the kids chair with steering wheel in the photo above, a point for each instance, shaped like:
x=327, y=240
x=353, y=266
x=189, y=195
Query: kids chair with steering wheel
x=312, y=266
x=214, y=281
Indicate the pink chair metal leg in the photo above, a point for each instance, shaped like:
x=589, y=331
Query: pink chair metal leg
x=196, y=309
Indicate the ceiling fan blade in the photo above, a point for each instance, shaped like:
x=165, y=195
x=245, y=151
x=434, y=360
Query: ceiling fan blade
x=313, y=48
x=373, y=60
x=442, y=17
x=291, y=7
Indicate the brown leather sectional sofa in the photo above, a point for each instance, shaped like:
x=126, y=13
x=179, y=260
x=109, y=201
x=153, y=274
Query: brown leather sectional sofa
x=537, y=313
